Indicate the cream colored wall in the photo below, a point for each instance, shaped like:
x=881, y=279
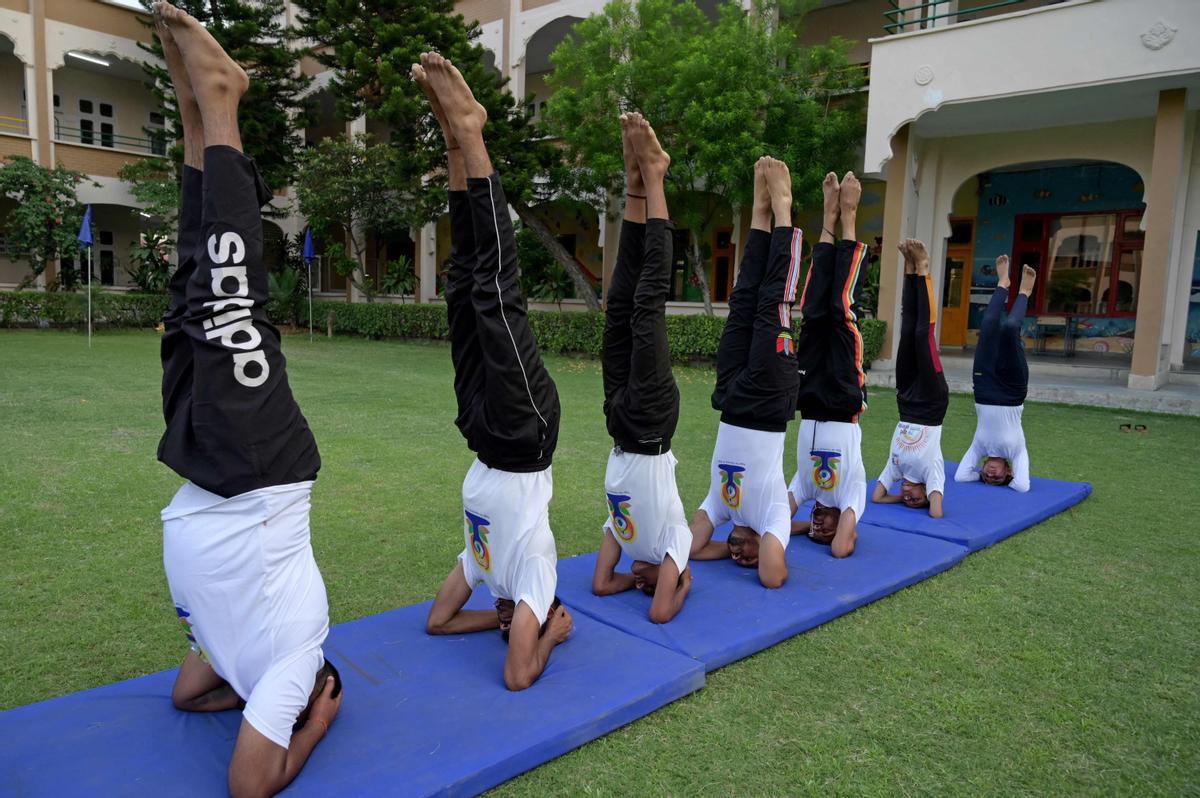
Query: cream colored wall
x=132, y=102
x=481, y=10
x=12, y=83
x=1045, y=49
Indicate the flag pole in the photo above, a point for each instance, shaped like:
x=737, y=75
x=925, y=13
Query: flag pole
x=310, y=323
x=89, y=293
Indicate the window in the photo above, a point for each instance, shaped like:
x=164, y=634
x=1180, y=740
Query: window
x=97, y=118
x=157, y=128
x=1088, y=264
x=106, y=257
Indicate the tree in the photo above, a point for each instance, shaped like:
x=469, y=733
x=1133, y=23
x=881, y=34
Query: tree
x=349, y=188
x=273, y=112
x=371, y=48
x=719, y=94
x=43, y=225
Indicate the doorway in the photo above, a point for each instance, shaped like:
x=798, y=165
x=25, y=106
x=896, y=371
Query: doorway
x=722, y=284
x=956, y=282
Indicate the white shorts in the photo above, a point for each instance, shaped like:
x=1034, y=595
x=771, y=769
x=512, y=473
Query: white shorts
x=249, y=595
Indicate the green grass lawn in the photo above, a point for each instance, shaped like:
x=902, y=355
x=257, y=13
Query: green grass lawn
x=1063, y=661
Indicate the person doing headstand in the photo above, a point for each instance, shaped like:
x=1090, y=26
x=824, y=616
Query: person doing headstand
x=829, y=467
x=508, y=408
x=236, y=539
x=922, y=396
x=756, y=392
x=641, y=400
x=998, y=455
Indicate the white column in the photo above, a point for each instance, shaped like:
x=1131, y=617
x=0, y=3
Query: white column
x=33, y=110
x=426, y=239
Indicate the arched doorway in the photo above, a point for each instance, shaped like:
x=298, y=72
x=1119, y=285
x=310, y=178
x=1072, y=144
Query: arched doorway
x=1078, y=223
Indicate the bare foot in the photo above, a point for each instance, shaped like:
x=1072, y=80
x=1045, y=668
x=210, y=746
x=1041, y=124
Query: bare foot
x=1002, y=272
x=464, y=114
x=762, y=195
x=652, y=158
x=216, y=79
x=422, y=80
x=633, y=173
x=919, y=255
x=905, y=249
x=1028, y=278
x=851, y=191
x=831, y=189
x=779, y=183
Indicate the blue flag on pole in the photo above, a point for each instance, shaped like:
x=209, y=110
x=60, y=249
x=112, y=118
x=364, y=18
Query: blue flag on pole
x=85, y=228
x=309, y=252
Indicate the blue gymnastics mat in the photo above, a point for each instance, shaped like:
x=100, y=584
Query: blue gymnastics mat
x=979, y=515
x=728, y=615
x=422, y=716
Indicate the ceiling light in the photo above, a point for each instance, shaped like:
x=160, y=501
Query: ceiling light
x=91, y=59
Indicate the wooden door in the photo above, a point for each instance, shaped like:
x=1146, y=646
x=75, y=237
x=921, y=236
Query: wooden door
x=722, y=281
x=956, y=297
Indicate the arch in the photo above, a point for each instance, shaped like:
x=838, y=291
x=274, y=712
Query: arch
x=542, y=42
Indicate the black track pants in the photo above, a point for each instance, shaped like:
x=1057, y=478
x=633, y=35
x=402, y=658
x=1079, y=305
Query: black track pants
x=756, y=359
x=1001, y=373
x=232, y=423
x=921, y=392
x=508, y=407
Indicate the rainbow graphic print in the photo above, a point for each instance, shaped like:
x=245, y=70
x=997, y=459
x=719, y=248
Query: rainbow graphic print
x=185, y=621
x=825, y=468
x=731, y=484
x=622, y=518
x=477, y=531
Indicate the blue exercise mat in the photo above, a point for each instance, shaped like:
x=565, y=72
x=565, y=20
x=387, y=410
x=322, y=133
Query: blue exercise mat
x=422, y=716
x=729, y=615
x=977, y=515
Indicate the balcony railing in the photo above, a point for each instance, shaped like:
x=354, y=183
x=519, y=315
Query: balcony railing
x=907, y=16
x=14, y=124
x=153, y=145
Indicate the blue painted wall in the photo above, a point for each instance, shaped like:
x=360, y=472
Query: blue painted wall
x=1066, y=189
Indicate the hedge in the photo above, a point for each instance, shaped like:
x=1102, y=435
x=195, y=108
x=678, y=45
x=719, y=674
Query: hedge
x=40, y=308
x=691, y=337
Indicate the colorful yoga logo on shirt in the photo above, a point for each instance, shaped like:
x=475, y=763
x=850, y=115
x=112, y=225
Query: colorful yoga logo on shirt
x=731, y=484
x=911, y=437
x=622, y=518
x=825, y=468
x=185, y=621
x=477, y=532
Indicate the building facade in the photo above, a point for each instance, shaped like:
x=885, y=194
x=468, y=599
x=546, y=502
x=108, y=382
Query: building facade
x=72, y=92
x=1061, y=132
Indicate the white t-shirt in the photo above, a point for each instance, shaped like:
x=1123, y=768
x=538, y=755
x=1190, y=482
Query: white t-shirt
x=916, y=456
x=249, y=595
x=509, y=545
x=746, y=483
x=998, y=433
x=645, y=513
x=829, y=466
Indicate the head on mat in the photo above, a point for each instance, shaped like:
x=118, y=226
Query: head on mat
x=743, y=546
x=913, y=494
x=504, y=614
x=823, y=523
x=996, y=471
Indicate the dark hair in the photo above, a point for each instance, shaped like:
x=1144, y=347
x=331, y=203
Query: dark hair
x=545, y=624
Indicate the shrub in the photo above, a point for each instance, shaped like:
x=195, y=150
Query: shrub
x=559, y=332
x=37, y=308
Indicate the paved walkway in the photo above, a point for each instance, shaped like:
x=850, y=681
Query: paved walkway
x=1072, y=384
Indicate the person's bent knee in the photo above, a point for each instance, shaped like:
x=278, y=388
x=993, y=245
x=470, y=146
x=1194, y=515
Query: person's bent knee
x=516, y=682
x=772, y=582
